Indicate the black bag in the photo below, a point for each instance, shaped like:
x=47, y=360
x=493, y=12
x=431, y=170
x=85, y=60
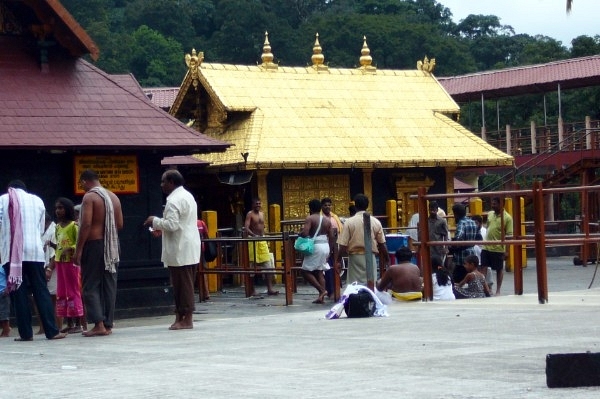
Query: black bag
x=360, y=304
x=210, y=251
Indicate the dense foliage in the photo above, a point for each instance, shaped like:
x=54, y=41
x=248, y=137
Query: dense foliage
x=150, y=38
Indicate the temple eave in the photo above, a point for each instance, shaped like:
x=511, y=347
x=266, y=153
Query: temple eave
x=376, y=164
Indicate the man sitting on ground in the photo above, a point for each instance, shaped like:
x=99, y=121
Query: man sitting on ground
x=402, y=279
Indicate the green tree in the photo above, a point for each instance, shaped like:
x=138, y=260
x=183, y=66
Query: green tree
x=155, y=59
x=239, y=32
x=171, y=18
x=585, y=45
x=476, y=26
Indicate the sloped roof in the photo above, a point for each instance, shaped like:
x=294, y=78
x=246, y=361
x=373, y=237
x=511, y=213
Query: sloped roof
x=295, y=117
x=73, y=106
x=461, y=185
x=162, y=97
x=540, y=78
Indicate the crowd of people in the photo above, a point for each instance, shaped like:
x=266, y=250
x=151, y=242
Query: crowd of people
x=463, y=274
x=67, y=266
x=67, y=263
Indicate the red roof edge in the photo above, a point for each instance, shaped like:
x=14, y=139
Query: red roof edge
x=75, y=28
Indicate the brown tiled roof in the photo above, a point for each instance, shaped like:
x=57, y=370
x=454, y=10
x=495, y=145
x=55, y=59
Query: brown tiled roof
x=75, y=106
x=570, y=74
x=162, y=97
x=182, y=160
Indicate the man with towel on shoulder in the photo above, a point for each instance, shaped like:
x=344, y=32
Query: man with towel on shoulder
x=97, y=252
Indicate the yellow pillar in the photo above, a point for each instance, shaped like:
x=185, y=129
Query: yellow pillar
x=522, y=227
x=391, y=212
x=261, y=180
x=275, y=227
x=368, y=186
x=449, y=189
x=475, y=206
x=508, y=206
x=210, y=218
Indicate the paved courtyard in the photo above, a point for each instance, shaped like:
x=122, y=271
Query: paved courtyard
x=257, y=348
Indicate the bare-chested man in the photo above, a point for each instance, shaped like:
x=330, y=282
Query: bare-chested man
x=97, y=252
x=403, y=278
x=258, y=251
x=320, y=228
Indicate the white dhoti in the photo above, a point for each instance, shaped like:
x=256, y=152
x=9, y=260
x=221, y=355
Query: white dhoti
x=318, y=259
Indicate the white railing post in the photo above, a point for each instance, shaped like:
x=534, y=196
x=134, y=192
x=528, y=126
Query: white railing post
x=561, y=133
x=533, y=138
x=588, y=133
x=508, y=141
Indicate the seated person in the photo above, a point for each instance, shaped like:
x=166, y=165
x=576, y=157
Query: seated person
x=473, y=285
x=402, y=279
x=441, y=280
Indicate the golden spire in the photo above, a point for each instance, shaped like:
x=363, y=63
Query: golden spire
x=318, y=58
x=193, y=63
x=267, y=56
x=426, y=65
x=365, y=58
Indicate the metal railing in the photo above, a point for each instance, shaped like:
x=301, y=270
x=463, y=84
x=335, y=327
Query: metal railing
x=539, y=240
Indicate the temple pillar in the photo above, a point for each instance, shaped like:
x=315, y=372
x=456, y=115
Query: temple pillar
x=368, y=186
x=261, y=182
x=210, y=218
x=449, y=188
x=275, y=227
x=391, y=211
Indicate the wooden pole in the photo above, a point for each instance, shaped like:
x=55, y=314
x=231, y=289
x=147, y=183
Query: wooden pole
x=424, y=252
x=518, y=248
x=368, y=250
x=540, y=242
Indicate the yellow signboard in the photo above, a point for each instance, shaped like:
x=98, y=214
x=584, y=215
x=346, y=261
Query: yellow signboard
x=118, y=173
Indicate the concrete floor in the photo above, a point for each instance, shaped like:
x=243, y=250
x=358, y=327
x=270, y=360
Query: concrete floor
x=256, y=348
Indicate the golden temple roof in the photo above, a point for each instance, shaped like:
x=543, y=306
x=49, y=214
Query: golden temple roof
x=315, y=117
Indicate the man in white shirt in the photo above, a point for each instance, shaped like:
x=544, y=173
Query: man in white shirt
x=22, y=256
x=180, y=244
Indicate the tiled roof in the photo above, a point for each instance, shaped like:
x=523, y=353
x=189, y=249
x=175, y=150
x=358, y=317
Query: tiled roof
x=182, y=160
x=75, y=105
x=570, y=74
x=162, y=97
x=301, y=118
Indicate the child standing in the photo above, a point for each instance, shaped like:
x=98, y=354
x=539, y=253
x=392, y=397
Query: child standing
x=473, y=285
x=68, y=289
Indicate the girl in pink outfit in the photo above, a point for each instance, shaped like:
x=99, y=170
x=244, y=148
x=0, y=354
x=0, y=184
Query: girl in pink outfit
x=68, y=283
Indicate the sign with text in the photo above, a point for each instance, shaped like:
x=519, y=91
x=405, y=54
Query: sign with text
x=118, y=173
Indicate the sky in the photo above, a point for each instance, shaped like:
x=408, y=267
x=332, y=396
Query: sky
x=533, y=17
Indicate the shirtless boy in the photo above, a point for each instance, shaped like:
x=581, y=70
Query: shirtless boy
x=258, y=251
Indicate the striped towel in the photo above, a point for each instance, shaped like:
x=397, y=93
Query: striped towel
x=111, y=236
x=15, y=276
